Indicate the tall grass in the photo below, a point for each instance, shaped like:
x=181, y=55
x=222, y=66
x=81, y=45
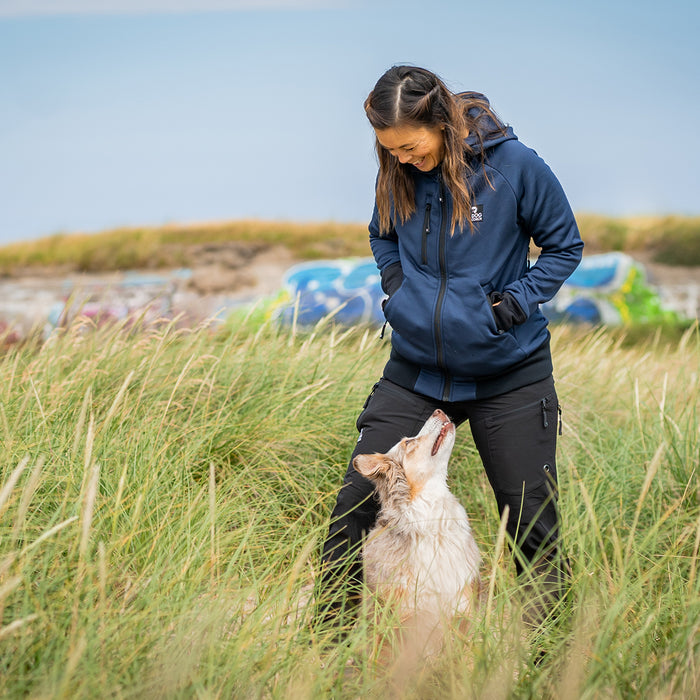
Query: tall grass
x=164, y=494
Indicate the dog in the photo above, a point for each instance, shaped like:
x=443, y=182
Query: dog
x=421, y=555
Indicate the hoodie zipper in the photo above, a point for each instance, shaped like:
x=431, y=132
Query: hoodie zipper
x=426, y=231
x=442, y=260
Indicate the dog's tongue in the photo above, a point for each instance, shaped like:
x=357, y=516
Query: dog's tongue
x=440, y=438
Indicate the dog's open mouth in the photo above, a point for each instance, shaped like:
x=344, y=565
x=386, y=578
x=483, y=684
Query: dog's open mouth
x=441, y=436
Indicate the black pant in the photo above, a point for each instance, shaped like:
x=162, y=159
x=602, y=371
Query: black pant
x=516, y=435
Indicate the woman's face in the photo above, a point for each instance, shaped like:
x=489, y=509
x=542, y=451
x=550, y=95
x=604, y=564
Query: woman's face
x=420, y=146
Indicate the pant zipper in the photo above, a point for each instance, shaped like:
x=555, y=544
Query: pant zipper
x=545, y=420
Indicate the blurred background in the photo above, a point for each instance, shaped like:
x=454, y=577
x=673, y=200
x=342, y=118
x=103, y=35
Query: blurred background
x=215, y=144
x=147, y=112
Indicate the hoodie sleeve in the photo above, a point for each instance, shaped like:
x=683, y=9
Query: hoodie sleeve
x=386, y=253
x=545, y=214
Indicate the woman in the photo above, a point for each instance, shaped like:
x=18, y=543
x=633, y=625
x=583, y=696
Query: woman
x=458, y=199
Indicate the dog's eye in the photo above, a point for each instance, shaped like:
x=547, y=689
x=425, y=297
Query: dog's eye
x=409, y=444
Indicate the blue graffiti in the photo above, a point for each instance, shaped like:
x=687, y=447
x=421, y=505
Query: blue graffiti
x=349, y=291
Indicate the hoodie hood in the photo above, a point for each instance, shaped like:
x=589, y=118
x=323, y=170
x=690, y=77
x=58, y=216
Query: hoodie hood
x=489, y=133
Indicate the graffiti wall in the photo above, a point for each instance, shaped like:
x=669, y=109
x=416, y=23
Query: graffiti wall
x=608, y=289
x=348, y=289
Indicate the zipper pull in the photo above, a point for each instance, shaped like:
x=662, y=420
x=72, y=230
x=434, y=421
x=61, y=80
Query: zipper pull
x=426, y=231
x=545, y=422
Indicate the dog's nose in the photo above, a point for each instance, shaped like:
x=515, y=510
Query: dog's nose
x=440, y=415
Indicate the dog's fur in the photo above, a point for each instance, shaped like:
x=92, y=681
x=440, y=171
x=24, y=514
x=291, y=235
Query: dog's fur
x=420, y=555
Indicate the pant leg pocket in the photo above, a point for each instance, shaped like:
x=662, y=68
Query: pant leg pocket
x=522, y=447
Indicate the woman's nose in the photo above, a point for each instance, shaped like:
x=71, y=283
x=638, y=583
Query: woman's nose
x=403, y=157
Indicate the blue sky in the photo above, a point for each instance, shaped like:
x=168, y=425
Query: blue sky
x=149, y=111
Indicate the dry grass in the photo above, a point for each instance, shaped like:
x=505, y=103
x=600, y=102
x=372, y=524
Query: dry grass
x=163, y=496
x=672, y=240
x=175, y=246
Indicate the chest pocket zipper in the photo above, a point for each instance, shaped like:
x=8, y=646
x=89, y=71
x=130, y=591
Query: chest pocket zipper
x=426, y=231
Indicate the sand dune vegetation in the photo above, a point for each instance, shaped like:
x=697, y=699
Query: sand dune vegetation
x=164, y=494
x=673, y=240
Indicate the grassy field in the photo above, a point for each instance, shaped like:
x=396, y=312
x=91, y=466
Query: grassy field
x=164, y=494
x=672, y=240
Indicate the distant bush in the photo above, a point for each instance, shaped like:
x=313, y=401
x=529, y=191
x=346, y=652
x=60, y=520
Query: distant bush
x=603, y=233
x=168, y=246
x=678, y=242
x=673, y=240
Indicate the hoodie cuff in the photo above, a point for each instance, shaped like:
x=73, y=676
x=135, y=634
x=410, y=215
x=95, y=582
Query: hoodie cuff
x=506, y=311
x=392, y=278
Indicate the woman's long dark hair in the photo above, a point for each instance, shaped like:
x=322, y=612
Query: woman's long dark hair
x=415, y=97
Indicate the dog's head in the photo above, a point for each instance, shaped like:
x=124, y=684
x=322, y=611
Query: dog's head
x=403, y=472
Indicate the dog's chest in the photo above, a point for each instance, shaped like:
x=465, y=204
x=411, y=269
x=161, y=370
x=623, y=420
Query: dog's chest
x=428, y=548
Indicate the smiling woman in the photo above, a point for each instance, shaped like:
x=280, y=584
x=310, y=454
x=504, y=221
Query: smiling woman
x=418, y=122
x=419, y=146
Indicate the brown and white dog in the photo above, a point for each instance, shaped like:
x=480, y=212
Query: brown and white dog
x=421, y=555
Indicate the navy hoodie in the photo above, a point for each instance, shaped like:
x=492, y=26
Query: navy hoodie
x=447, y=340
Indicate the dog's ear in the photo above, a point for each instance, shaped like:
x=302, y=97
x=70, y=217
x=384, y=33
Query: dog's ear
x=371, y=466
